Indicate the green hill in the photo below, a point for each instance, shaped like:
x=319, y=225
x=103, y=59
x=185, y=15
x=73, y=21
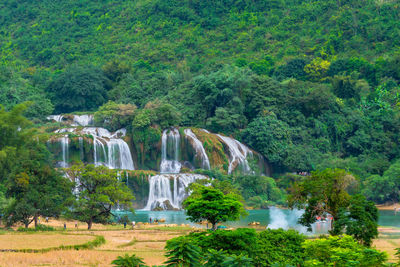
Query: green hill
x=190, y=35
x=309, y=84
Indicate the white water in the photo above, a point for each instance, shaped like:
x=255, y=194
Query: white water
x=108, y=148
x=64, y=147
x=238, y=154
x=169, y=138
x=82, y=120
x=57, y=118
x=161, y=193
x=78, y=120
x=198, y=147
x=278, y=219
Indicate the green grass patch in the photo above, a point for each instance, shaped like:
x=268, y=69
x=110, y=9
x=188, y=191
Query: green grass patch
x=98, y=241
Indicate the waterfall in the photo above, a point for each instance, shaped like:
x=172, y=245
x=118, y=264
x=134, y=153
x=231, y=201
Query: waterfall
x=81, y=154
x=238, y=154
x=160, y=193
x=57, y=118
x=170, y=140
x=82, y=120
x=108, y=148
x=77, y=120
x=64, y=147
x=198, y=147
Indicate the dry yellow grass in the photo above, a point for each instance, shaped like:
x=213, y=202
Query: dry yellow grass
x=39, y=241
x=149, y=245
x=147, y=242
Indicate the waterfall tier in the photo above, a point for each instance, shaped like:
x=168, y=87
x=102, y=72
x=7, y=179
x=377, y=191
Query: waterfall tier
x=170, y=143
x=199, y=149
x=167, y=191
x=238, y=154
x=179, y=150
x=73, y=120
x=108, y=148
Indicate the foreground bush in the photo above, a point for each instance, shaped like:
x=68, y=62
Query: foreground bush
x=244, y=247
x=128, y=261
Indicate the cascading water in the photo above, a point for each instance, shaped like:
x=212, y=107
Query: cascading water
x=57, y=118
x=108, y=148
x=198, y=147
x=77, y=120
x=170, y=141
x=83, y=120
x=160, y=193
x=64, y=147
x=238, y=154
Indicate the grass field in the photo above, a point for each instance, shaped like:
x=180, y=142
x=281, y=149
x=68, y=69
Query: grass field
x=146, y=241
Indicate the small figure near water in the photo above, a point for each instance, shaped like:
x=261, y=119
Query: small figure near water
x=150, y=219
x=133, y=224
x=65, y=226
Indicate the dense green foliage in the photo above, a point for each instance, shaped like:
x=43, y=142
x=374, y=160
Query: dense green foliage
x=30, y=187
x=309, y=84
x=128, y=261
x=211, y=205
x=326, y=193
x=258, y=191
x=272, y=248
x=98, y=191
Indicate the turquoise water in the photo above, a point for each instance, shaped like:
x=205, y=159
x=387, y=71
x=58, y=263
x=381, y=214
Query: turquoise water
x=273, y=218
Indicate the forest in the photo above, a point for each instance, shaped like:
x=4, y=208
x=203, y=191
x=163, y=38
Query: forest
x=309, y=84
x=312, y=87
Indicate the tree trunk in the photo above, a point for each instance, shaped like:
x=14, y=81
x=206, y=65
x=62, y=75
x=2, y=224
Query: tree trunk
x=35, y=219
x=89, y=224
x=214, y=226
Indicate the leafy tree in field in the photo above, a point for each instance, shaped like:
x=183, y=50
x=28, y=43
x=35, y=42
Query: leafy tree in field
x=128, y=261
x=320, y=193
x=36, y=188
x=98, y=191
x=359, y=220
x=182, y=252
x=341, y=251
x=78, y=89
x=210, y=204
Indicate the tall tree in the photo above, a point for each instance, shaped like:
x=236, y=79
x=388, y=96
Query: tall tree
x=359, y=219
x=210, y=204
x=36, y=188
x=98, y=191
x=321, y=193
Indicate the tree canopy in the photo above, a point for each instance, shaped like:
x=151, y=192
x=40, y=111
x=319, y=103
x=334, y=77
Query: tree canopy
x=211, y=205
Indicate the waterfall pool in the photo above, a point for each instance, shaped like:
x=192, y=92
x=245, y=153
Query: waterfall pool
x=274, y=218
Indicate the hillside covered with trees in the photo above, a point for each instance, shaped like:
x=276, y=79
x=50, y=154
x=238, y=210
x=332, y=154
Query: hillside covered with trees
x=309, y=84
